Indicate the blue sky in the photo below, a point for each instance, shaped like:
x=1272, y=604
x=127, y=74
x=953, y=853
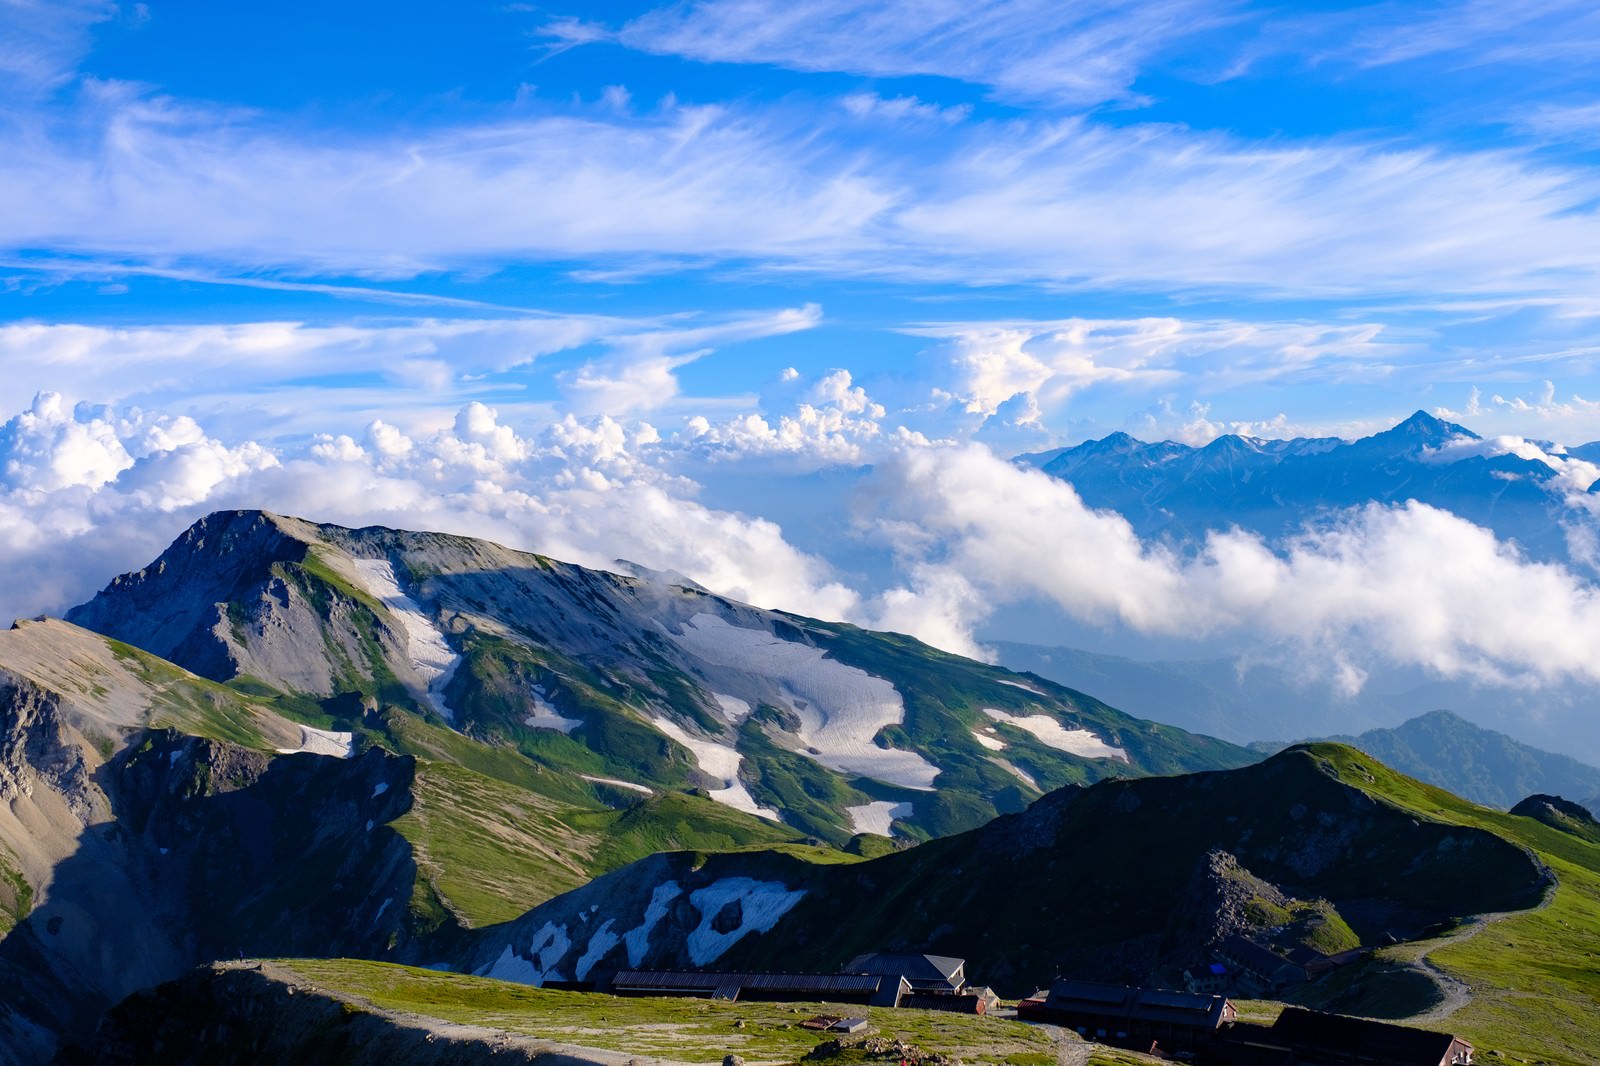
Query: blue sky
x=1408, y=189
x=663, y=280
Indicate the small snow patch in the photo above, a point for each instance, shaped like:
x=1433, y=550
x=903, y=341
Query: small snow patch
x=1080, y=742
x=1019, y=684
x=992, y=743
x=545, y=715
x=369, y=825
x=379, y=789
x=619, y=784
x=722, y=762
x=381, y=908
x=431, y=655
x=172, y=757
x=874, y=818
x=761, y=904
x=1019, y=773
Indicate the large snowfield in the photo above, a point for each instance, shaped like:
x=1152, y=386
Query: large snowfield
x=431, y=655
x=841, y=709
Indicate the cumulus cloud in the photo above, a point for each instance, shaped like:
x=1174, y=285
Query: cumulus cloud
x=1406, y=585
x=90, y=493
x=837, y=424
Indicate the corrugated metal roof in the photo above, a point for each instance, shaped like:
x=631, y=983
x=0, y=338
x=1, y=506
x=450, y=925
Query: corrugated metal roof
x=1088, y=992
x=1184, y=1001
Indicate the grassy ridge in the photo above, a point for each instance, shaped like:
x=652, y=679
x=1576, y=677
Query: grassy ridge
x=1534, y=975
x=686, y=1030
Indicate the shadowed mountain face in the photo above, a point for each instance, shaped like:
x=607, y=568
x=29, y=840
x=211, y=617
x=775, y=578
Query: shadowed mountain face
x=647, y=684
x=1273, y=487
x=1124, y=880
x=129, y=862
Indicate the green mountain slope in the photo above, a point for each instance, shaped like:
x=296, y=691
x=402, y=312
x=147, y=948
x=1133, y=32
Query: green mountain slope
x=152, y=820
x=589, y=674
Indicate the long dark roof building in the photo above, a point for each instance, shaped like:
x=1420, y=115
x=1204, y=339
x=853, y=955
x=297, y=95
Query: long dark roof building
x=1118, y=1014
x=1335, y=1040
x=871, y=989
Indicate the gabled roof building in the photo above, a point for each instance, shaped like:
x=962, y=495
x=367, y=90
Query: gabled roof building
x=925, y=973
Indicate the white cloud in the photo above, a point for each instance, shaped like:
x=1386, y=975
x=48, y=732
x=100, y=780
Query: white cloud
x=1407, y=585
x=41, y=41
x=1067, y=203
x=45, y=448
x=1051, y=361
x=1083, y=52
x=901, y=109
x=86, y=495
x=1475, y=32
x=368, y=367
x=840, y=423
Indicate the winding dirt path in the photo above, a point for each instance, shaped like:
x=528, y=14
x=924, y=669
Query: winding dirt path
x=1457, y=993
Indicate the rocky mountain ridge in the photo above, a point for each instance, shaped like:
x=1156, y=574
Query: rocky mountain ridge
x=625, y=679
x=1177, y=492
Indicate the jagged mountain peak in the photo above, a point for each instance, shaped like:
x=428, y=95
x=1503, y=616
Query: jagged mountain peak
x=1421, y=430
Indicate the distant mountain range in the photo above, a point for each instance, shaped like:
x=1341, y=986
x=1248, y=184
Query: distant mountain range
x=1482, y=765
x=1246, y=701
x=1273, y=487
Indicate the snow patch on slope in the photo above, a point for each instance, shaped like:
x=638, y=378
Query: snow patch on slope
x=761, y=904
x=601, y=941
x=545, y=715
x=1019, y=773
x=1080, y=742
x=1019, y=684
x=619, y=784
x=992, y=743
x=734, y=709
x=720, y=761
x=538, y=964
x=318, y=742
x=874, y=818
x=841, y=709
x=431, y=655
x=638, y=938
